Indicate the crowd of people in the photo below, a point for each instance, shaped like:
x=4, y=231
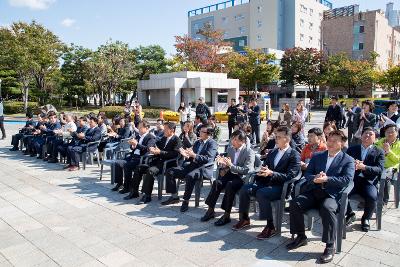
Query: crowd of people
x=326, y=162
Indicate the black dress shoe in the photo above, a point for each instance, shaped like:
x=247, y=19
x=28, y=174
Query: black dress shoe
x=350, y=218
x=365, y=225
x=131, y=195
x=327, y=256
x=208, y=216
x=124, y=191
x=144, y=199
x=170, y=201
x=298, y=242
x=116, y=188
x=222, y=221
x=185, y=206
x=14, y=149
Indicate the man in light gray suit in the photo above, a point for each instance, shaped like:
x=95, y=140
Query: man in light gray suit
x=239, y=162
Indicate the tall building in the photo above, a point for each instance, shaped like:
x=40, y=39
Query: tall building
x=392, y=15
x=263, y=24
x=360, y=34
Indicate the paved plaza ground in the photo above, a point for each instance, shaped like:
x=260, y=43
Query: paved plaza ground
x=50, y=217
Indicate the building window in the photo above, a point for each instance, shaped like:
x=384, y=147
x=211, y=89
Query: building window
x=361, y=29
x=301, y=37
x=360, y=46
x=196, y=27
x=259, y=23
x=311, y=25
x=311, y=11
x=241, y=43
x=239, y=17
x=310, y=39
x=301, y=22
x=259, y=38
x=259, y=9
x=303, y=8
x=242, y=30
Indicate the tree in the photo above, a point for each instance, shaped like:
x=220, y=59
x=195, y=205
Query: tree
x=109, y=67
x=73, y=72
x=253, y=67
x=206, y=54
x=390, y=80
x=303, y=66
x=349, y=74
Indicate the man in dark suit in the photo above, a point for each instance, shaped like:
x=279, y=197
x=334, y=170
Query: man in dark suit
x=370, y=162
x=204, y=151
x=27, y=129
x=140, y=147
x=334, y=113
x=92, y=135
x=281, y=164
x=327, y=175
x=254, y=119
x=232, y=169
x=165, y=149
x=232, y=114
x=30, y=138
x=48, y=132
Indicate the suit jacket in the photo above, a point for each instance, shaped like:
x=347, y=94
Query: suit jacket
x=245, y=161
x=92, y=135
x=206, y=155
x=148, y=141
x=287, y=168
x=49, y=131
x=169, y=151
x=374, y=161
x=340, y=173
x=334, y=113
x=254, y=117
x=187, y=142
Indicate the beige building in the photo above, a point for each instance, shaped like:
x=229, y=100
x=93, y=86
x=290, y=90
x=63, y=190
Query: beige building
x=359, y=33
x=264, y=24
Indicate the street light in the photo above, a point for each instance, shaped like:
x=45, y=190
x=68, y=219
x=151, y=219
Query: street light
x=76, y=102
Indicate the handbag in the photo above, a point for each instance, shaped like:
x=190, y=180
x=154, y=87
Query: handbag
x=358, y=133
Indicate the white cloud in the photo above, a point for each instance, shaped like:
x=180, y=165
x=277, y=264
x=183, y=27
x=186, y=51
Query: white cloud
x=67, y=22
x=32, y=4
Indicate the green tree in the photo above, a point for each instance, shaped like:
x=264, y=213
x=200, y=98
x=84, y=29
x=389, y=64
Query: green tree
x=390, y=80
x=303, y=66
x=255, y=67
x=349, y=74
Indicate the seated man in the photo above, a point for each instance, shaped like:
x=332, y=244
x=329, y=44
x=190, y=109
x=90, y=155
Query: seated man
x=232, y=169
x=52, y=146
x=165, y=149
x=28, y=140
x=63, y=148
x=159, y=131
x=281, y=164
x=369, y=167
x=92, y=135
x=391, y=146
x=27, y=129
x=204, y=151
x=327, y=175
x=48, y=132
x=140, y=147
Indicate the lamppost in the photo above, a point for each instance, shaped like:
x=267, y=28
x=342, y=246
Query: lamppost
x=256, y=85
x=76, y=102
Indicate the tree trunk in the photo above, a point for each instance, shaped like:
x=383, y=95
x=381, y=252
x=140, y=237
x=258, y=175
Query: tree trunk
x=102, y=98
x=25, y=97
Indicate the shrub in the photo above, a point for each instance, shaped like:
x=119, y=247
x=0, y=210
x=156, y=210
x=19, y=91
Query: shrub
x=112, y=111
x=14, y=107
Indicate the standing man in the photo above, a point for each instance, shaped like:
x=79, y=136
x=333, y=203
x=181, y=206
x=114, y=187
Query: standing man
x=282, y=164
x=334, y=113
x=254, y=119
x=232, y=169
x=232, y=113
x=242, y=111
x=352, y=113
x=203, y=152
x=3, y=131
x=202, y=110
x=327, y=175
x=369, y=167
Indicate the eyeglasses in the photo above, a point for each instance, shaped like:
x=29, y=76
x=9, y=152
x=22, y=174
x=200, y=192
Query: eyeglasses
x=204, y=132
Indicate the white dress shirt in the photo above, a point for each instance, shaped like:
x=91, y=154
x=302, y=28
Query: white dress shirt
x=237, y=153
x=329, y=161
x=279, y=155
x=137, y=151
x=364, y=151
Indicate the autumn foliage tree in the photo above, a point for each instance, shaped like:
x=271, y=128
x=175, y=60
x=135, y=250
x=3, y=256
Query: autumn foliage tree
x=205, y=54
x=390, y=80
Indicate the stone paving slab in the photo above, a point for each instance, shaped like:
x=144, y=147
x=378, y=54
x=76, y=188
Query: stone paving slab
x=50, y=217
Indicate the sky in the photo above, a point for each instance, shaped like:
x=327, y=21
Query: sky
x=91, y=23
